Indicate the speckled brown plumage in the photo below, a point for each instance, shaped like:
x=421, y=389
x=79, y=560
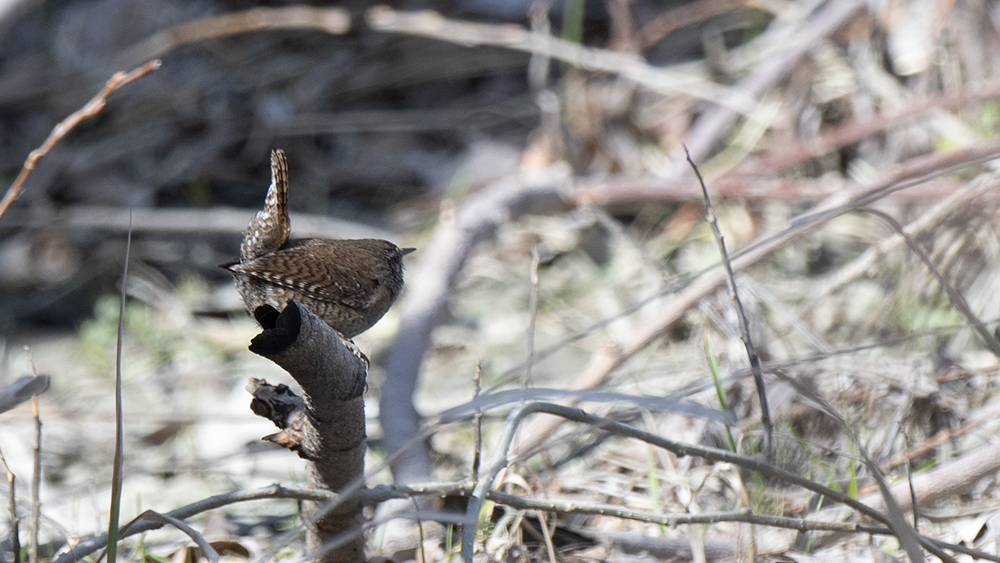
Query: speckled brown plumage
x=350, y=284
x=269, y=229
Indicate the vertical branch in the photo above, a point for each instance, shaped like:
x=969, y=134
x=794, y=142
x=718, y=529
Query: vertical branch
x=755, y=368
x=909, y=478
x=477, y=421
x=538, y=64
x=532, y=316
x=36, y=483
x=543, y=526
x=539, y=69
x=36, y=471
x=15, y=522
x=331, y=371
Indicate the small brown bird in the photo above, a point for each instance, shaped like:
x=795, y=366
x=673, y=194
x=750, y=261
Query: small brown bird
x=350, y=284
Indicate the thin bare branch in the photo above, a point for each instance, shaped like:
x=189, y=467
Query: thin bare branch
x=501, y=456
x=963, y=195
x=477, y=421
x=672, y=520
x=36, y=471
x=532, y=317
x=207, y=550
x=660, y=80
x=853, y=131
x=217, y=220
x=368, y=496
x=15, y=521
x=335, y=21
x=383, y=493
x=734, y=295
x=786, y=49
x=89, y=110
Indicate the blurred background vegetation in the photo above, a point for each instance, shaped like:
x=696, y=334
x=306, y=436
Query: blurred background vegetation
x=388, y=133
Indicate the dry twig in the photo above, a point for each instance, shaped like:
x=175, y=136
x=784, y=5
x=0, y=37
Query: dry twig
x=515, y=419
x=36, y=472
x=428, y=297
x=15, y=521
x=942, y=482
x=963, y=195
x=660, y=80
x=89, y=110
x=334, y=21
x=784, y=53
x=758, y=374
x=603, y=362
x=684, y=15
x=957, y=299
x=854, y=131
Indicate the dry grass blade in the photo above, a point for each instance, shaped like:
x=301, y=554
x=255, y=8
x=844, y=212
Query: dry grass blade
x=907, y=536
x=963, y=196
x=758, y=373
x=902, y=529
x=957, y=299
x=546, y=535
x=90, y=109
x=116, y=472
x=911, y=173
x=22, y=390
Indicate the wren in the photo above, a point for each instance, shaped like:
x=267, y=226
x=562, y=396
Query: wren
x=350, y=284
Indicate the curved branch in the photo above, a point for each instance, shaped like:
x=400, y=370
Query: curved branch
x=429, y=296
x=335, y=21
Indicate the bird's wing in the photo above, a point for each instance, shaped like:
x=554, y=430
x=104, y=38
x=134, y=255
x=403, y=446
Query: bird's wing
x=322, y=280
